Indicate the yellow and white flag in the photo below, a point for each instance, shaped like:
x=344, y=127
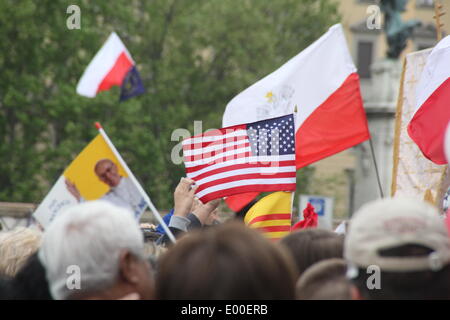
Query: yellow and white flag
x=96, y=173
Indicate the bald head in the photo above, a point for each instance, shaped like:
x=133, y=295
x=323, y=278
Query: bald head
x=106, y=170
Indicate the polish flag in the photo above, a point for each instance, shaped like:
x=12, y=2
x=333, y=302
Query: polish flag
x=111, y=66
x=429, y=122
x=321, y=83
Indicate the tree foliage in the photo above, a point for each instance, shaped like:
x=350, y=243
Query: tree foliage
x=193, y=56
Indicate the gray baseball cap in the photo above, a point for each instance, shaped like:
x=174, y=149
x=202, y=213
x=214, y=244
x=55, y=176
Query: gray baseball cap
x=391, y=223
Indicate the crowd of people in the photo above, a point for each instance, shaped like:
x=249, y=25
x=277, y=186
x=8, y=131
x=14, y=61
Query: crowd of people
x=394, y=248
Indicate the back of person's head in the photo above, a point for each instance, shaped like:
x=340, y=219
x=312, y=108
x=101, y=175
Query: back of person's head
x=16, y=246
x=398, y=248
x=312, y=245
x=229, y=261
x=30, y=282
x=325, y=280
x=100, y=242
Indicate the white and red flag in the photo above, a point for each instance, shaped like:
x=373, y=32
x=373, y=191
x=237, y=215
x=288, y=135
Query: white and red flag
x=429, y=122
x=111, y=66
x=321, y=81
x=258, y=156
x=322, y=84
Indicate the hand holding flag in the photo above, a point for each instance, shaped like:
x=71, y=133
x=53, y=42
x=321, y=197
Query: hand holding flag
x=184, y=197
x=72, y=188
x=204, y=211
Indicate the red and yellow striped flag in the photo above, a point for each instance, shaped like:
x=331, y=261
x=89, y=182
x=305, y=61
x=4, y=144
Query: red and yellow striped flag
x=271, y=215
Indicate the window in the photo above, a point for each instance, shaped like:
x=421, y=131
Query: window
x=365, y=49
x=424, y=37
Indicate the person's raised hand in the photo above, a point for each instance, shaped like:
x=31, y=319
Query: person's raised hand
x=212, y=218
x=72, y=188
x=203, y=211
x=184, y=197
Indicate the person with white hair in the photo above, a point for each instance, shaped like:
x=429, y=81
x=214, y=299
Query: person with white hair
x=95, y=250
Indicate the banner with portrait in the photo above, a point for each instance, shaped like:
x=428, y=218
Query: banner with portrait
x=94, y=174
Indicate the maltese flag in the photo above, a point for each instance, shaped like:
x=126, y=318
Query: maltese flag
x=429, y=122
x=111, y=66
x=321, y=83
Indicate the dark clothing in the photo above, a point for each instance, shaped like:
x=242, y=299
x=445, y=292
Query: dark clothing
x=193, y=224
x=30, y=283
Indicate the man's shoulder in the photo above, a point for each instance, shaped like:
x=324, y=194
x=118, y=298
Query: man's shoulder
x=109, y=193
x=126, y=182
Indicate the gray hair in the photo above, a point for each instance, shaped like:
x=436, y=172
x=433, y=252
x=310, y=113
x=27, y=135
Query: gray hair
x=90, y=236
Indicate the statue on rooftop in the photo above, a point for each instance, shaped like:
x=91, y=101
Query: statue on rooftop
x=397, y=31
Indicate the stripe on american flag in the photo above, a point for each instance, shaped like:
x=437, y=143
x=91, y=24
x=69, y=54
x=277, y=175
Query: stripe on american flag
x=247, y=178
x=223, y=156
x=246, y=171
x=245, y=189
x=230, y=133
x=248, y=162
x=213, y=150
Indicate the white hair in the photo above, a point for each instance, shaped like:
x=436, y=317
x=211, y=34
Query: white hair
x=90, y=236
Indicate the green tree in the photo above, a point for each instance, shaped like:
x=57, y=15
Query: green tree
x=193, y=56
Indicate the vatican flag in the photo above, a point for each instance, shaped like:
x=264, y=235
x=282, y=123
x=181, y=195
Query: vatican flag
x=96, y=173
x=271, y=215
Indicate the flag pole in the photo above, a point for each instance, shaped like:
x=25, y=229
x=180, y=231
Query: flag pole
x=136, y=183
x=438, y=13
x=376, y=169
x=292, y=208
x=397, y=132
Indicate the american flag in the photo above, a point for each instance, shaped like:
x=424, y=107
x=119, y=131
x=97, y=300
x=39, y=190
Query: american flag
x=258, y=156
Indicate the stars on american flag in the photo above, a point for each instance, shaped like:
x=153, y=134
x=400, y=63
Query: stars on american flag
x=273, y=136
